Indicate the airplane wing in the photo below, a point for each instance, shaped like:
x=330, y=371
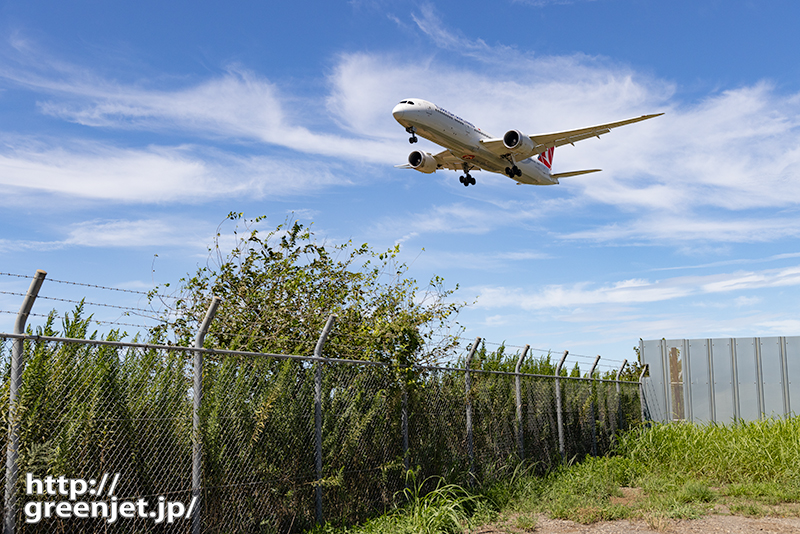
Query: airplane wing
x=444, y=160
x=544, y=141
x=572, y=173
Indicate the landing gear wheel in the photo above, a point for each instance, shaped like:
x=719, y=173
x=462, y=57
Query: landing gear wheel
x=516, y=170
x=509, y=172
x=461, y=179
x=472, y=180
x=413, y=139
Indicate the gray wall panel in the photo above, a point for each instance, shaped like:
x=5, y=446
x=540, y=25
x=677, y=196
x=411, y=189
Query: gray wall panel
x=747, y=379
x=701, y=388
x=772, y=376
x=675, y=356
x=654, y=386
x=723, y=379
x=793, y=361
x=718, y=379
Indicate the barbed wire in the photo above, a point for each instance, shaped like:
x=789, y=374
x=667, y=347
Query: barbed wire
x=130, y=308
x=605, y=363
x=460, y=339
x=145, y=293
x=99, y=321
x=17, y=313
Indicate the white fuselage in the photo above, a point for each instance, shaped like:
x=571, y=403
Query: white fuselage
x=463, y=140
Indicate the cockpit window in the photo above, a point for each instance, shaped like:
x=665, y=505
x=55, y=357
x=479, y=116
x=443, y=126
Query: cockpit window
x=407, y=102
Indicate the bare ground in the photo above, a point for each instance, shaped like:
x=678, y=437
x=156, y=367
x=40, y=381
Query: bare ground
x=729, y=524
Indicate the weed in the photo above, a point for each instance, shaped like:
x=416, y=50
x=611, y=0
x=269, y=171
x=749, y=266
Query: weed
x=525, y=522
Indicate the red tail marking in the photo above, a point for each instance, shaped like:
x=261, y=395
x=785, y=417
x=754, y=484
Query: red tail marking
x=546, y=157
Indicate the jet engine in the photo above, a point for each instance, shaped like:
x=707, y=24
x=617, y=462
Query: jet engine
x=422, y=162
x=519, y=143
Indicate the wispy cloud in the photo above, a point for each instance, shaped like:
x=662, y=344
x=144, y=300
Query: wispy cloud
x=735, y=151
x=173, y=232
x=238, y=105
x=154, y=174
x=634, y=291
x=686, y=227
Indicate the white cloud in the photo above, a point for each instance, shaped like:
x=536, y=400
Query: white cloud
x=238, y=105
x=732, y=152
x=139, y=233
x=686, y=227
x=634, y=291
x=172, y=232
x=496, y=261
x=154, y=174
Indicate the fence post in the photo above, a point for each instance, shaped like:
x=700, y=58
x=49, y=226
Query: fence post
x=404, y=425
x=318, y=411
x=641, y=389
x=467, y=388
x=518, y=392
x=619, y=397
x=559, y=416
x=15, y=381
x=592, y=406
x=197, y=440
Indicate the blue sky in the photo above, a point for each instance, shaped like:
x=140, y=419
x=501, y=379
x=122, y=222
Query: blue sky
x=128, y=132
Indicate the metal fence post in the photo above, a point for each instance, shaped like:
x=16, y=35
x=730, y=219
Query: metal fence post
x=468, y=397
x=592, y=405
x=404, y=424
x=197, y=440
x=518, y=392
x=15, y=381
x=559, y=416
x=318, y=412
x=641, y=391
x=619, y=395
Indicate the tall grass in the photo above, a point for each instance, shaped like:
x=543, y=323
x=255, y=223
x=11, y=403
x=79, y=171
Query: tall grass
x=742, y=451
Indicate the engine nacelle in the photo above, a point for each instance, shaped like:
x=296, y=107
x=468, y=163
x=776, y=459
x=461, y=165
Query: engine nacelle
x=519, y=143
x=422, y=162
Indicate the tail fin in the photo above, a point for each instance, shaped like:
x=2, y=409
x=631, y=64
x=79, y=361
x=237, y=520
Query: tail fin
x=546, y=157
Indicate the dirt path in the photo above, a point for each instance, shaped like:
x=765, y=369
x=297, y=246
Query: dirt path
x=728, y=524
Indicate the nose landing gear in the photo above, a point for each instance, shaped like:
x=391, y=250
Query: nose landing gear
x=413, y=131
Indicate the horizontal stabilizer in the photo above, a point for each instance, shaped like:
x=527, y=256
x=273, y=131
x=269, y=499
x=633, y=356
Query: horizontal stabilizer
x=572, y=173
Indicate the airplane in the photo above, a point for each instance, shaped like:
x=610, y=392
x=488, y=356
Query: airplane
x=526, y=159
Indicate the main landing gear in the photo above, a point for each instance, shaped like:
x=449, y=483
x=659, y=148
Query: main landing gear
x=466, y=180
x=413, y=131
x=511, y=172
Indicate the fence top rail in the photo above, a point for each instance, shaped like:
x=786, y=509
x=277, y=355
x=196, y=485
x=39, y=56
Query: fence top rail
x=528, y=375
x=225, y=352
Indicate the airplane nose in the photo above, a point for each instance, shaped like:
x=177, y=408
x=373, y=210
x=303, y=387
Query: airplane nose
x=399, y=112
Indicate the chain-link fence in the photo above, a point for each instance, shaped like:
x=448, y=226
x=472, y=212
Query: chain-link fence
x=285, y=440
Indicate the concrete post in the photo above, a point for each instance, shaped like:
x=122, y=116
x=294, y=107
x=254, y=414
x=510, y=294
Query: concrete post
x=197, y=439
